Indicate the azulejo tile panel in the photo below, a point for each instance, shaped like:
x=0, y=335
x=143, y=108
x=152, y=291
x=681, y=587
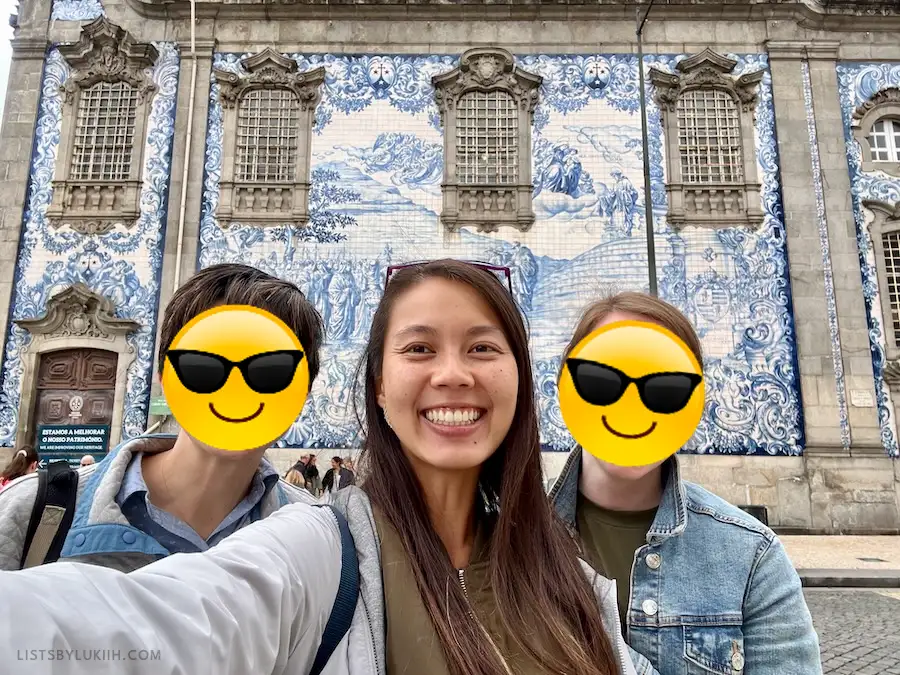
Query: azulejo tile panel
x=858, y=82
x=76, y=10
x=124, y=265
x=377, y=165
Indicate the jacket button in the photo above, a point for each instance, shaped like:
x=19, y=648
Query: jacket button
x=737, y=661
x=650, y=607
x=79, y=539
x=128, y=537
x=654, y=561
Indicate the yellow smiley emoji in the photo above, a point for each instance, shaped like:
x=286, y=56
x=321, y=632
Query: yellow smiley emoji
x=236, y=377
x=631, y=393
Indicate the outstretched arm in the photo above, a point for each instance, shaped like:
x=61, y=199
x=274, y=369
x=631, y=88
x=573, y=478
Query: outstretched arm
x=261, y=596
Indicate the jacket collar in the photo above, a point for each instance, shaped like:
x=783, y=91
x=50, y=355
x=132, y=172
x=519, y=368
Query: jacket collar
x=671, y=516
x=100, y=527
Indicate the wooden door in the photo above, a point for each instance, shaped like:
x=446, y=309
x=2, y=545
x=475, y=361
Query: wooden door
x=75, y=387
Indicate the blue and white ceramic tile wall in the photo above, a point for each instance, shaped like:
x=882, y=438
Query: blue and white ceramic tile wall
x=377, y=162
x=377, y=166
x=124, y=265
x=858, y=82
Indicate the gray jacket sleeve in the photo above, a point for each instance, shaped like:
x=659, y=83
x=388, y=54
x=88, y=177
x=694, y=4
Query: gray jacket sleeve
x=16, y=503
x=252, y=604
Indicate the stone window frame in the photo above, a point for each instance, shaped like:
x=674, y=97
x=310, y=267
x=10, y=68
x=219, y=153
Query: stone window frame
x=740, y=202
x=487, y=207
x=104, y=53
x=267, y=204
x=76, y=318
x=884, y=104
x=886, y=220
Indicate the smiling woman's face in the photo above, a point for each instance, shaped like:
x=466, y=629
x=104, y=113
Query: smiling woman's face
x=449, y=382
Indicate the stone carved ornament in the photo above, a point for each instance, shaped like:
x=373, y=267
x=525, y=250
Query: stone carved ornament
x=79, y=312
x=486, y=69
x=891, y=374
x=885, y=96
x=106, y=53
x=891, y=212
x=90, y=227
x=705, y=70
x=268, y=70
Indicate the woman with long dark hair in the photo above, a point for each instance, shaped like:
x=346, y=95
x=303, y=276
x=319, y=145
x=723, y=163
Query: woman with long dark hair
x=464, y=569
x=23, y=462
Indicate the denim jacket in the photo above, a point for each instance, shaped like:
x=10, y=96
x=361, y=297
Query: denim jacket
x=712, y=591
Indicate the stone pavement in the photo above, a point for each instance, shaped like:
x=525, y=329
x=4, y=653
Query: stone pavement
x=847, y=561
x=858, y=630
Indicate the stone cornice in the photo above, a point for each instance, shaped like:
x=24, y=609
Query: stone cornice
x=29, y=48
x=868, y=15
x=203, y=47
x=798, y=49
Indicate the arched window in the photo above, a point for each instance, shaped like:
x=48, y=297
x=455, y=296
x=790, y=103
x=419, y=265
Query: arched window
x=709, y=137
x=104, y=132
x=708, y=119
x=268, y=110
x=487, y=107
x=487, y=138
x=884, y=141
x=876, y=127
x=106, y=105
x=268, y=126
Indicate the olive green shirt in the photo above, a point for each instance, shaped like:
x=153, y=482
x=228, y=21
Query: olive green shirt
x=413, y=647
x=609, y=540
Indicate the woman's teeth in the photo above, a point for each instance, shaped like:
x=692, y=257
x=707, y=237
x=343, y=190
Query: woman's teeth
x=455, y=417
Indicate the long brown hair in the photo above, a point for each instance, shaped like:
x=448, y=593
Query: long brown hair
x=632, y=302
x=542, y=595
x=18, y=465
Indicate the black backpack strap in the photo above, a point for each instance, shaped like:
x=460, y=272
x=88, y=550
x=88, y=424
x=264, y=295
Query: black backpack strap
x=347, y=596
x=51, y=517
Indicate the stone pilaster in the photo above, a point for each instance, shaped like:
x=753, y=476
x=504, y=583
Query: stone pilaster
x=191, y=231
x=854, y=334
x=16, y=140
x=807, y=268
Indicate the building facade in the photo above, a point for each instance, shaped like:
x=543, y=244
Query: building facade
x=323, y=142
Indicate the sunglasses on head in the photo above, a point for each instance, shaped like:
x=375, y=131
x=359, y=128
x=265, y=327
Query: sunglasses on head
x=663, y=393
x=204, y=373
x=497, y=270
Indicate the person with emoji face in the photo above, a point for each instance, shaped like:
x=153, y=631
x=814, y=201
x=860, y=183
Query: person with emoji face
x=456, y=562
x=238, y=353
x=702, y=586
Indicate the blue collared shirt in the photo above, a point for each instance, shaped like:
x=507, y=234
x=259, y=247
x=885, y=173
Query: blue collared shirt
x=172, y=532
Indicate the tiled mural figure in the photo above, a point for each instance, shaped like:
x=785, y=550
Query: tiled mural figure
x=377, y=167
x=123, y=264
x=861, y=83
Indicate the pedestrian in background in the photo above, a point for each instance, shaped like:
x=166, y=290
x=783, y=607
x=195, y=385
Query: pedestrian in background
x=337, y=476
x=25, y=461
x=311, y=474
x=294, y=477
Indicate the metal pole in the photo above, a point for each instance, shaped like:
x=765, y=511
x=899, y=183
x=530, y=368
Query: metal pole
x=648, y=199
